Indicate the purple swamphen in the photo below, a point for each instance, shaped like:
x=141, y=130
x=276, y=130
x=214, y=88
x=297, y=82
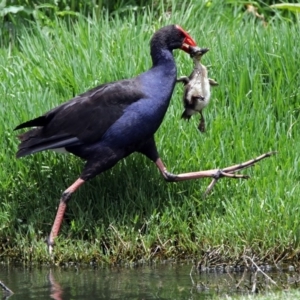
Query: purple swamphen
x=111, y=121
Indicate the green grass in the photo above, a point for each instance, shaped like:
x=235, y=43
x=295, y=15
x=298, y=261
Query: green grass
x=288, y=295
x=130, y=213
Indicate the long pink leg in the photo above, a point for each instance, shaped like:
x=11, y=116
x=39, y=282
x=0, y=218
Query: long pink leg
x=61, y=211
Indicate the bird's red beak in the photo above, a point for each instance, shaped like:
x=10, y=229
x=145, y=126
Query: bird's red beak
x=188, y=41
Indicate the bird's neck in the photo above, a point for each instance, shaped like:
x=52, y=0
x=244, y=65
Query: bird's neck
x=161, y=57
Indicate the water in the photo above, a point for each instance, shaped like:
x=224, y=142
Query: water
x=147, y=282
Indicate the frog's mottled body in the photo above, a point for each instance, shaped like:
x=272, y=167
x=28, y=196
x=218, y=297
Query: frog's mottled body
x=197, y=87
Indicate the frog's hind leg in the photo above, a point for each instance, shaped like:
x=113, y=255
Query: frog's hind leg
x=212, y=82
x=201, y=125
x=184, y=79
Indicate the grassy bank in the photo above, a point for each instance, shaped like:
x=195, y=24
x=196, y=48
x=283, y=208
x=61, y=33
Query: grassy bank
x=130, y=213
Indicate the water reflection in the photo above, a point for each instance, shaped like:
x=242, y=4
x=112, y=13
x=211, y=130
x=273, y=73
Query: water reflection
x=6, y=290
x=156, y=282
x=56, y=290
x=151, y=282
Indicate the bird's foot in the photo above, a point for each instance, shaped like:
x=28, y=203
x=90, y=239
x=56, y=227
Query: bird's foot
x=50, y=250
x=50, y=243
x=230, y=172
x=220, y=174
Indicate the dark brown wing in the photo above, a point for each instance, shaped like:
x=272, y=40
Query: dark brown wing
x=83, y=119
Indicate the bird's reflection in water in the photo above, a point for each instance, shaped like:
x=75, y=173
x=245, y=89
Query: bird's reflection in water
x=56, y=290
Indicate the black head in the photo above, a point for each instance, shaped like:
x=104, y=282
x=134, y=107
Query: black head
x=196, y=52
x=172, y=37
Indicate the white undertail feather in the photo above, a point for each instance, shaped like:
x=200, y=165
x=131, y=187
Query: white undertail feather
x=61, y=150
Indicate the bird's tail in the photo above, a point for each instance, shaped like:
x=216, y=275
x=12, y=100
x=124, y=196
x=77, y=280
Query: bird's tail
x=28, y=142
x=35, y=140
